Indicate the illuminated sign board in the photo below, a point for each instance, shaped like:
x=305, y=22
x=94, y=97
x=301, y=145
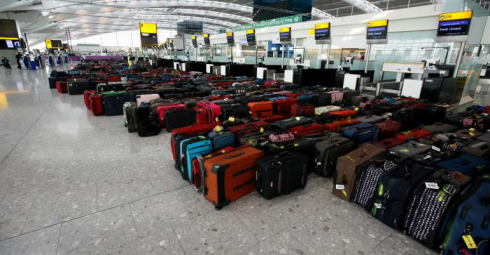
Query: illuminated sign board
x=207, y=42
x=230, y=38
x=194, y=41
x=377, y=31
x=53, y=44
x=285, y=34
x=251, y=37
x=454, y=24
x=148, y=35
x=322, y=31
x=148, y=28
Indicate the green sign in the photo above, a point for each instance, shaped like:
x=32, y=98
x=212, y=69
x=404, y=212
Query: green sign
x=270, y=23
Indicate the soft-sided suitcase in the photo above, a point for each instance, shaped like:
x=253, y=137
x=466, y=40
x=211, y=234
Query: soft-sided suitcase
x=77, y=87
x=430, y=202
x=180, y=134
x=348, y=167
x=281, y=174
x=148, y=127
x=272, y=118
x=388, y=128
x=328, y=151
x=130, y=116
x=96, y=106
x=86, y=95
x=394, y=190
x=221, y=139
x=336, y=96
x=162, y=109
x=326, y=109
x=256, y=139
x=469, y=165
x=478, y=148
x=303, y=110
x=302, y=145
x=308, y=129
x=146, y=98
x=324, y=99
x=467, y=133
x=370, y=174
x=406, y=117
x=190, y=149
x=261, y=109
x=411, y=149
x=241, y=130
x=469, y=217
x=234, y=111
x=284, y=106
x=440, y=127
x=113, y=102
x=373, y=119
x=62, y=87
x=413, y=134
x=198, y=166
x=343, y=113
x=485, y=137
x=213, y=111
x=230, y=176
x=179, y=118
x=389, y=143
x=286, y=124
x=339, y=125
x=362, y=133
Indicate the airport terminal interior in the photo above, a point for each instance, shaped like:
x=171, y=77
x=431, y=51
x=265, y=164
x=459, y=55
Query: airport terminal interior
x=248, y=127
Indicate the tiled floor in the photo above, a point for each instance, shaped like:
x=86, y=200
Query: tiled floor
x=72, y=183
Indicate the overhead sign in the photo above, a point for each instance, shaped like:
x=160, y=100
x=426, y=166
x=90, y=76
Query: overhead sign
x=377, y=31
x=53, y=44
x=322, y=31
x=207, y=42
x=194, y=41
x=270, y=23
x=149, y=28
x=148, y=35
x=251, y=37
x=285, y=34
x=230, y=38
x=455, y=24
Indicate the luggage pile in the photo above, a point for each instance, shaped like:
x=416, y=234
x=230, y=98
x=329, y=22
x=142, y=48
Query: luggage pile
x=411, y=164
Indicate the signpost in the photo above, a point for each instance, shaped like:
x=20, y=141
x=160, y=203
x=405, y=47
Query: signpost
x=376, y=33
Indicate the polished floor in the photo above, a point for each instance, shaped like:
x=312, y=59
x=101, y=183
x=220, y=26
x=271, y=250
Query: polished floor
x=72, y=183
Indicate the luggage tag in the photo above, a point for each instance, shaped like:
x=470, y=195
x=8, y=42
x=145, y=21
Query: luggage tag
x=377, y=205
x=232, y=119
x=470, y=243
x=339, y=186
x=431, y=185
x=436, y=148
x=261, y=130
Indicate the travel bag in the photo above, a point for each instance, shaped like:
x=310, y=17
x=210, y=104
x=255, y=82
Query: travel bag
x=113, y=102
x=62, y=87
x=343, y=113
x=234, y=111
x=180, y=134
x=283, y=106
x=326, y=109
x=221, y=139
x=272, y=118
x=440, y=127
x=96, y=106
x=302, y=145
x=130, y=116
x=78, y=86
x=308, y=129
x=485, y=137
x=336, y=96
x=241, y=130
x=466, y=164
x=348, y=167
x=162, y=109
x=388, y=128
x=261, y=109
x=231, y=175
x=406, y=117
x=389, y=143
x=467, y=133
x=327, y=152
x=339, y=125
x=198, y=166
x=86, y=95
x=256, y=139
x=478, y=148
x=179, y=118
x=286, y=124
x=362, y=133
x=373, y=119
x=145, y=98
x=190, y=149
x=413, y=134
x=281, y=174
x=324, y=99
x=302, y=110
x=411, y=148
x=148, y=127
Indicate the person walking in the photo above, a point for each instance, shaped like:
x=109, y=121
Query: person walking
x=18, y=56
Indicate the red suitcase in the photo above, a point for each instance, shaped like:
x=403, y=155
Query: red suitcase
x=214, y=98
x=62, y=87
x=302, y=110
x=284, y=106
x=388, y=128
x=189, y=130
x=308, y=129
x=343, y=113
x=164, y=108
x=272, y=118
x=114, y=78
x=213, y=111
x=389, y=143
x=198, y=165
x=86, y=97
x=241, y=130
x=96, y=106
x=294, y=95
x=414, y=134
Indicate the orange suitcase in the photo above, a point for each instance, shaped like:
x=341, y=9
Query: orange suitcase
x=337, y=126
x=230, y=176
x=261, y=109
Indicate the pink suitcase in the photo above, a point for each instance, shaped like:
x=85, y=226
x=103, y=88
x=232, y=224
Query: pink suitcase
x=145, y=98
x=163, y=108
x=214, y=110
x=337, y=96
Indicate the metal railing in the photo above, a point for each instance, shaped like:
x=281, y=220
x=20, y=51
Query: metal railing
x=484, y=4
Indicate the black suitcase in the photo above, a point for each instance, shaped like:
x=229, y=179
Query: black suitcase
x=324, y=99
x=109, y=87
x=114, y=104
x=302, y=145
x=406, y=117
x=234, y=110
x=179, y=118
x=327, y=153
x=53, y=80
x=281, y=174
x=77, y=87
x=148, y=127
x=290, y=123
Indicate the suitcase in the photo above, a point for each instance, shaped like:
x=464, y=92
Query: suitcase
x=337, y=96
x=394, y=191
x=339, y=125
x=324, y=99
x=145, y=98
x=303, y=110
x=96, y=106
x=478, y=148
x=294, y=95
x=440, y=127
x=198, y=166
x=148, y=128
x=179, y=118
x=243, y=129
x=362, y=133
x=286, y=124
x=130, y=116
x=261, y=109
x=52, y=81
x=406, y=117
x=302, y=145
x=485, y=137
x=411, y=148
x=190, y=149
x=467, y=133
x=388, y=128
x=103, y=86
x=466, y=164
x=343, y=113
x=370, y=174
x=213, y=111
x=347, y=97
x=256, y=139
x=309, y=99
x=348, y=168
x=234, y=110
x=328, y=151
x=373, y=119
x=185, y=132
x=284, y=106
x=470, y=216
x=113, y=102
x=281, y=174
x=272, y=118
x=389, y=143
x=162, y=109
x=413, y=134
x=308, y=129
x=221, y=139
x=86, y=95
x=230, y=176
x=326, y=109
x=430, y=202
x=77, y=87
x=62, y=87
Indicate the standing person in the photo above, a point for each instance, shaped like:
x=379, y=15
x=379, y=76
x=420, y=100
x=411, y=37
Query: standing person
x=25, y=59
x=18, y=56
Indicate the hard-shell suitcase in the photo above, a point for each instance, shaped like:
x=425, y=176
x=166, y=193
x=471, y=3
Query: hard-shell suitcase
x=213, y=111
x=113, y=102
x=256, y=139
x=394, y=191
x=198, y=166
x=388, y=128
x=62, y=87
x=411, y=149
x=284, y=106
x=308, y=129
x=469, y=165
x=86, y=95
x=286, y=124
x=146, y=98
x=348, y=167
x=440, y=127
x=328, y=151
x=241, y=130
x=389, y=143
x=430, y=202
x=412, y=134
x=77, y=87
x=281, y=174
x=469, y=217
x=96, y=106
x=162, y=109
x=180, y=134
x=303, y=110
x=261, y=109
x=370, y=174
x=373, y=119
x=190, y=149
x=130, y=116
x=221, y=139
x=339, y=125
x=179, y=118
x=230, y=176
x=362, y=133
x=478, y=148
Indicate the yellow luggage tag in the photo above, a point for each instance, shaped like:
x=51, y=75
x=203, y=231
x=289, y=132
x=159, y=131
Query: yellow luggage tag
x=232, y=119
x=470, y=243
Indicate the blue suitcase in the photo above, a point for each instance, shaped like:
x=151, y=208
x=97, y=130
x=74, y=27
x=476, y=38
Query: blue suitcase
x=470, y=217
x=467, y=164
x=222, y=139
x=113, y=104
x=362, y=133
x=191, y=148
